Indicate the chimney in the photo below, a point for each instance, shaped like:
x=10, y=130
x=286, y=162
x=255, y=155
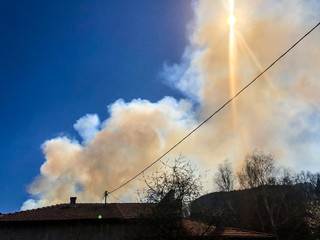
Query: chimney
x=73, y=201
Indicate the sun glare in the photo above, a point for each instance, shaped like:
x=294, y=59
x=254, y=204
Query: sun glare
x=232, y=61
x=232, y=20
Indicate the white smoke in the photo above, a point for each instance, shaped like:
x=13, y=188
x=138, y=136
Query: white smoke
x=134, y=135
x=279, y=114
x=87, y=126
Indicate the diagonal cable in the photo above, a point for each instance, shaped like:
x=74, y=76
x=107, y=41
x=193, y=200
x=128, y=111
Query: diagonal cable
x=218, y=110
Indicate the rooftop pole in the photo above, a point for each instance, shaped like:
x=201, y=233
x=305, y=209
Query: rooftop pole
x=105, y=197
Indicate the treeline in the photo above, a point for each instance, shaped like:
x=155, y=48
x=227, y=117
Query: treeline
x=263, y=197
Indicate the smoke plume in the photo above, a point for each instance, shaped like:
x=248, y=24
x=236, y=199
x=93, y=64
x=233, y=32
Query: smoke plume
x=279, y=114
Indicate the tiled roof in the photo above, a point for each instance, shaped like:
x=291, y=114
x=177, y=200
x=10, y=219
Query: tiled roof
x=86, y=211
x=235, y=232
x=80, y=211
x=194, y=228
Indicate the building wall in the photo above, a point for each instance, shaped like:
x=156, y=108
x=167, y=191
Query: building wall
x=70, y=231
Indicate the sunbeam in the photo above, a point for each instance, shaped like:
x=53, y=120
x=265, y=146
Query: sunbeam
x=244, y=45
x=232, y=59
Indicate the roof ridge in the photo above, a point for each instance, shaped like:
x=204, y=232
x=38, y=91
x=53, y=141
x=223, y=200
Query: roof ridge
x=33, y=209
x=118, y=206
x=83, y=211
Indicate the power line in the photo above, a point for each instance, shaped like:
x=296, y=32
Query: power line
x=218, y=110
x=105, y=194
x=115, y=197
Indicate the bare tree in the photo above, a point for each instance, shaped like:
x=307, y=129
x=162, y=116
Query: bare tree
x=224, y=179
x=278, y=207
x=285, y=176
x=172, y=188
x=309, y=184
x=258, y=170
x=180, y=177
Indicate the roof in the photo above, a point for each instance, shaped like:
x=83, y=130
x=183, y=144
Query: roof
x=236, y=232
x=80, y=211
x=194, y=228
x=93, y=211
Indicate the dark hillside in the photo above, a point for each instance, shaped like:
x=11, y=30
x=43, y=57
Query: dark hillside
x=275, y=209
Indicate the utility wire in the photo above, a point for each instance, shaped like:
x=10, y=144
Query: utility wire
x=108, y=194
x=115, y=197
x=208, y=118
x=103, y=196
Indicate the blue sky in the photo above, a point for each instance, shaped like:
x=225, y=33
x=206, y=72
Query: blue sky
x=63, y=59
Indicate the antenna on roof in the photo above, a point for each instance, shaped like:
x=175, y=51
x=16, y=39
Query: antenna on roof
x=105, y=197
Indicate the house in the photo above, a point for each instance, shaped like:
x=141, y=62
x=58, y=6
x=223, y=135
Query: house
x=104, y=221
x=74, y=221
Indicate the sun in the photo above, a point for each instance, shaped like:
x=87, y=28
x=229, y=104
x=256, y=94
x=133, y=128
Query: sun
x=232, y=19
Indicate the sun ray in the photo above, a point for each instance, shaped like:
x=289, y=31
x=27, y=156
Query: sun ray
x=255, y=60
x=232, y=60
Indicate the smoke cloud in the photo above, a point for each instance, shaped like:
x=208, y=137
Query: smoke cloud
x=279, y=114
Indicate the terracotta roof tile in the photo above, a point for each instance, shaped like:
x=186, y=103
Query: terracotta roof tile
x=235, y=232
x=194, y=228
x=80, y=211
